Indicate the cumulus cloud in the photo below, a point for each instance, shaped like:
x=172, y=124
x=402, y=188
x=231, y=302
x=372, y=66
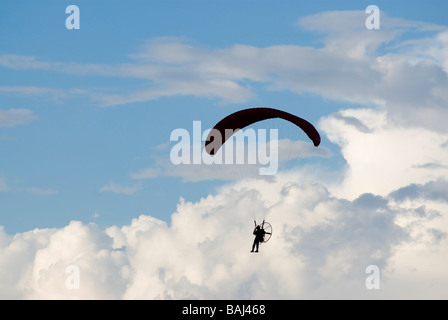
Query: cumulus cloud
x=383, y=155
x=432, y=190
x=389, y=209
x=320, y=248
x=324, y=236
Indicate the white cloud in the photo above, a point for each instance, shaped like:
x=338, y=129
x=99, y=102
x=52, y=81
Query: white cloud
x=388, y=210
x=382, y=155
x=324, y=235
x=117, y=188
x=32, y=91
x=353, y=64
x=14, y=117
x=349, y=67
x=22, y=62
x=83, y=246
x=320, y=248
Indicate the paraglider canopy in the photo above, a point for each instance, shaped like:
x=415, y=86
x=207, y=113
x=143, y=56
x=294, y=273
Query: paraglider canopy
x=246, y=117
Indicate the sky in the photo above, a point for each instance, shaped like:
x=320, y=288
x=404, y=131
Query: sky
x=89, y=189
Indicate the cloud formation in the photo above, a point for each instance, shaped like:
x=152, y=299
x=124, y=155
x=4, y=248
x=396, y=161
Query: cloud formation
x=324, y=237
x=353, y=64
x=389, y=208
x=320, y=248
x=382, y=154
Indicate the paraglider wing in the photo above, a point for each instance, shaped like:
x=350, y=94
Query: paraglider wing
x=243, y=118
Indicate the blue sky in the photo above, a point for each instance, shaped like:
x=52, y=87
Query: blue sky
x=57, y=162
x=73, y=147
x=86, y=115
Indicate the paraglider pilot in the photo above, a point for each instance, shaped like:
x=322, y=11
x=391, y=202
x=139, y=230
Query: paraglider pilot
x=259, y=236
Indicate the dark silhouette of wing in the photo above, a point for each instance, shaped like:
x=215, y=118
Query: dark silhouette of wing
x=243, y=118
